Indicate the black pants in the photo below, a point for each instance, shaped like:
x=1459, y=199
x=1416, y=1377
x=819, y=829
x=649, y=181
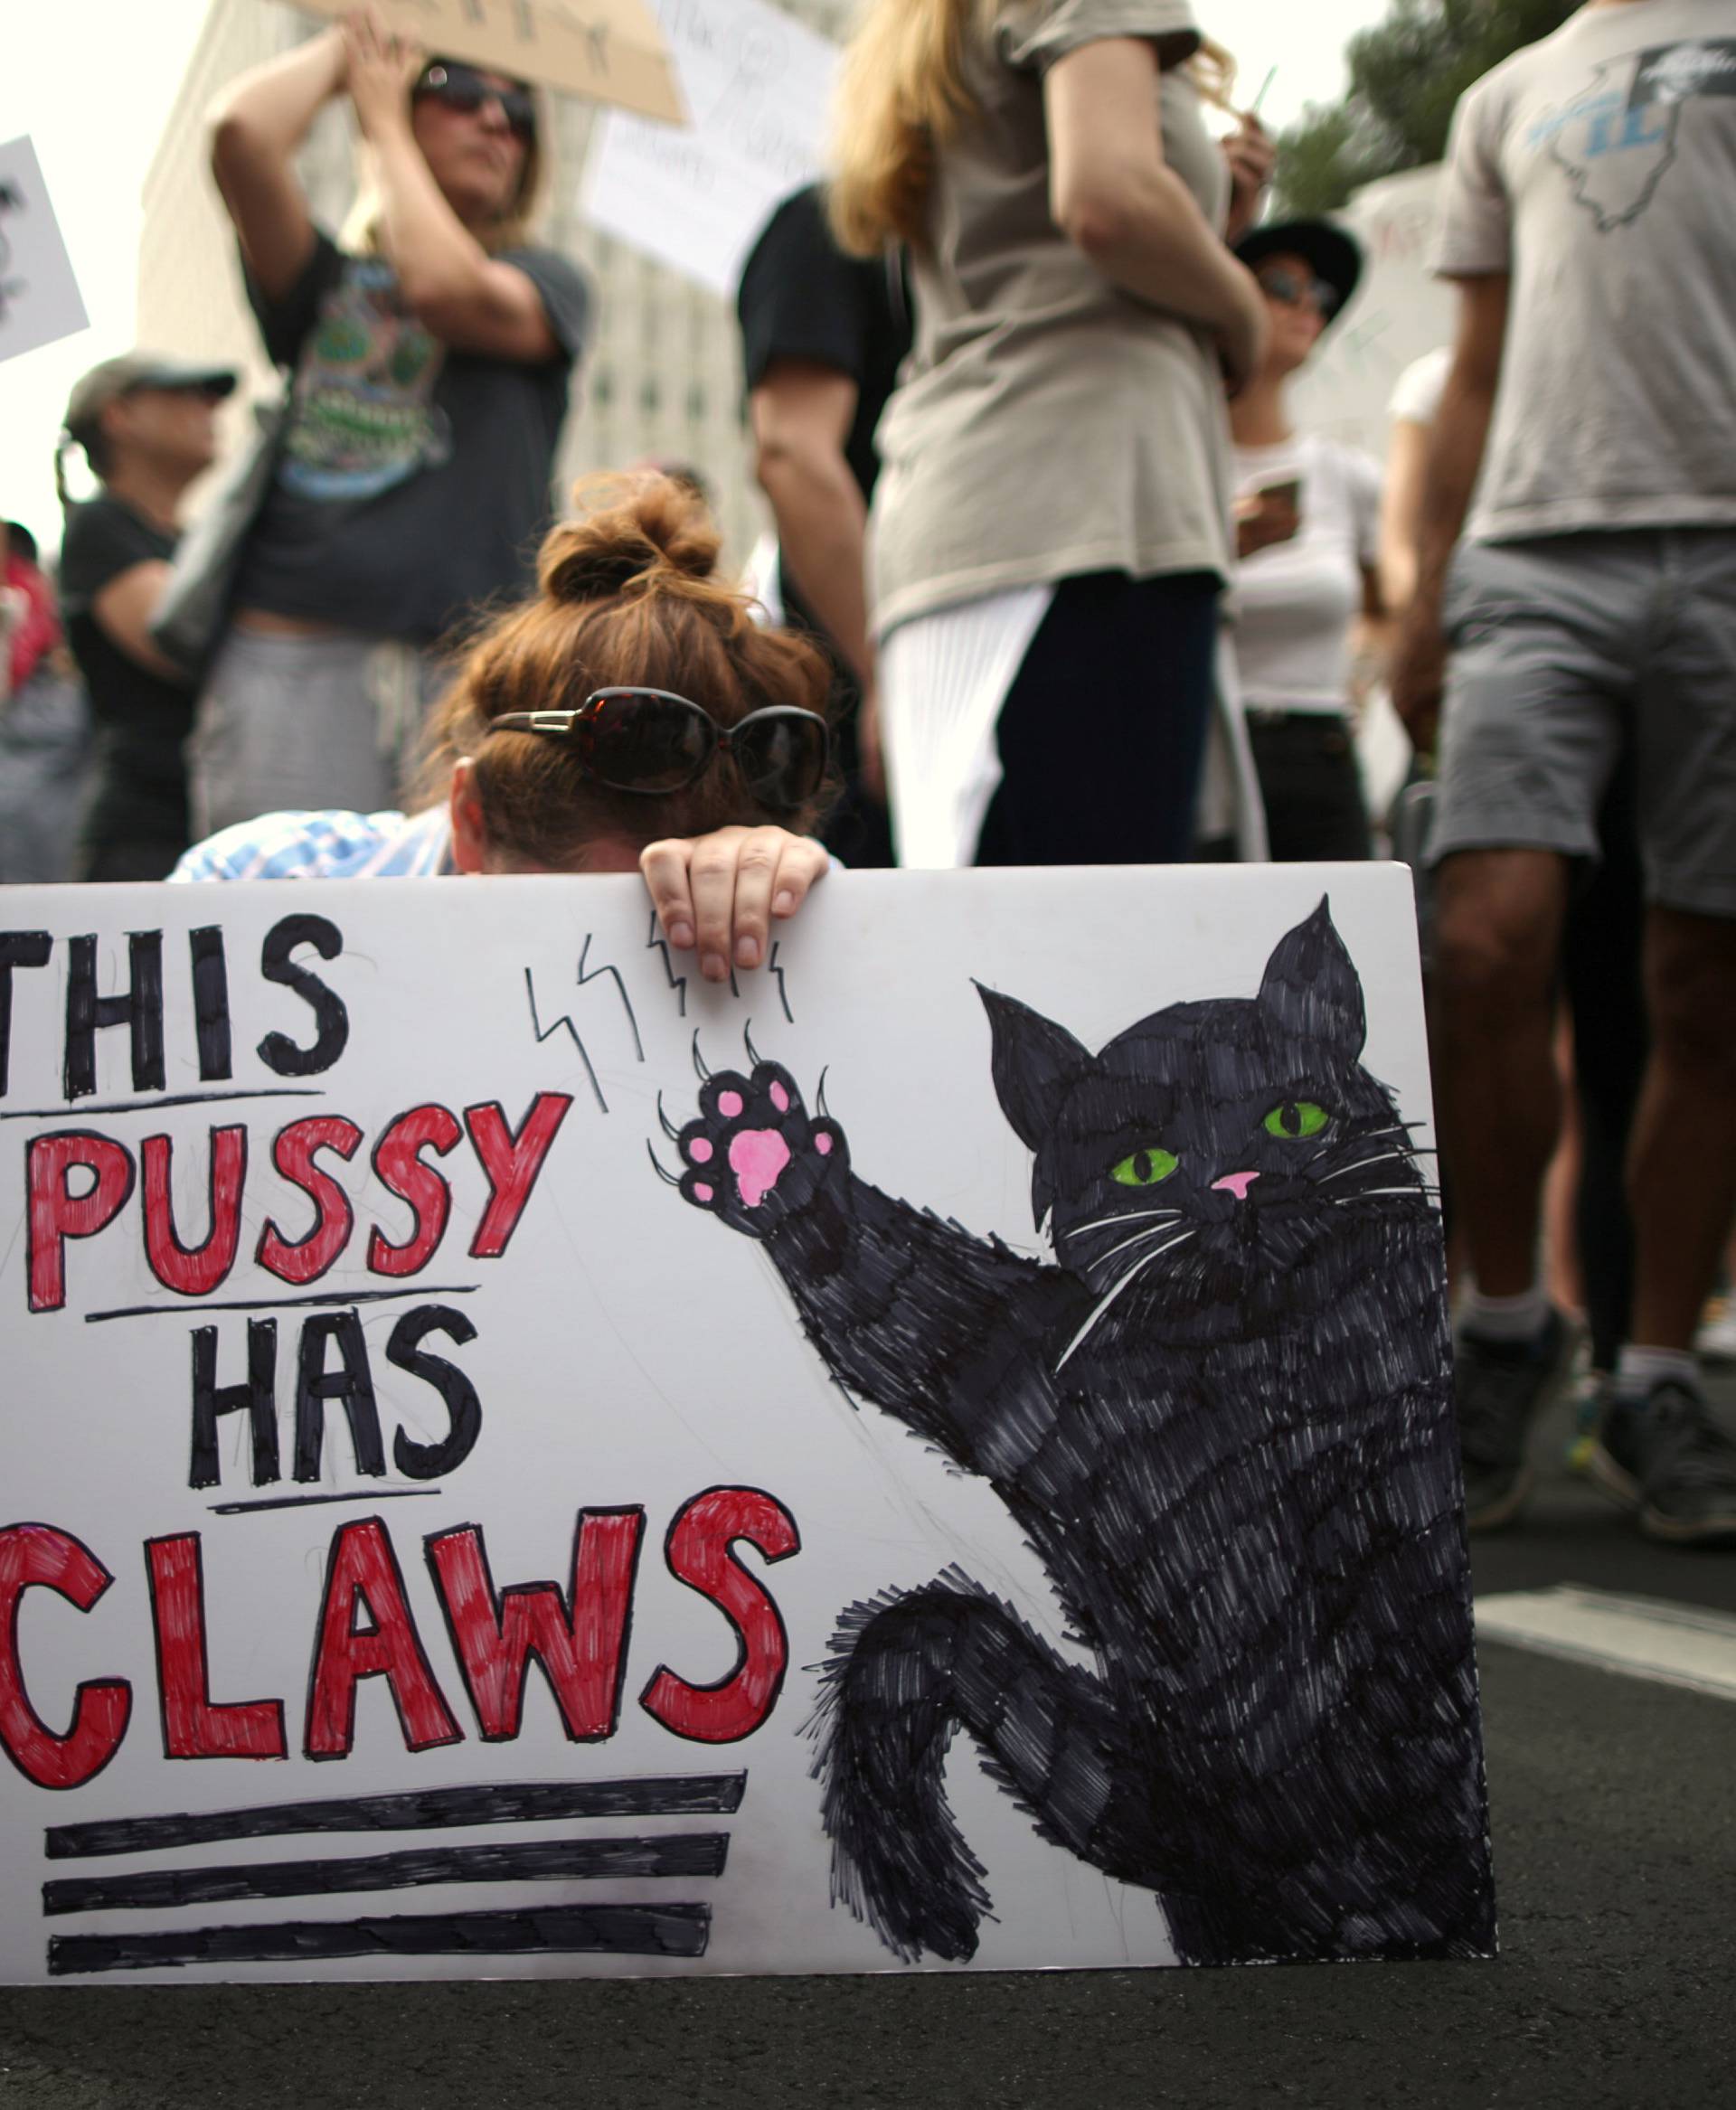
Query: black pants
x=1103, y=731
x=1310, y=785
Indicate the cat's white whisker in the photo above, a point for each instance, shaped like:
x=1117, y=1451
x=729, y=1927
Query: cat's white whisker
x=1126, y=1216
x=1097, y=1311
x=1364, y=1193
x=1382, y=1158
x=1153, y=1230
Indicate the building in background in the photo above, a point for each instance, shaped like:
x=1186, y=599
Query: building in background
x=663, y=375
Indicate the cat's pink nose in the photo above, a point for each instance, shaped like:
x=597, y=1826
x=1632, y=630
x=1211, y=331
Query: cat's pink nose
x=1237, y=1183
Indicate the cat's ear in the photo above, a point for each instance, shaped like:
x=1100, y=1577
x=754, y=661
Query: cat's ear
x=1033, y=1060
x=1312, y=985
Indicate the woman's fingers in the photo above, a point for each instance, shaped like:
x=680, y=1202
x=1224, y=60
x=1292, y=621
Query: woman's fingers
x=665, y=869
x=721, y=893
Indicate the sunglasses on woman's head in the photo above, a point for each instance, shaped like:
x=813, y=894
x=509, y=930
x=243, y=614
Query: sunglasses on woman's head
x=649, y=742
x=1293, y=287
x=462, y=87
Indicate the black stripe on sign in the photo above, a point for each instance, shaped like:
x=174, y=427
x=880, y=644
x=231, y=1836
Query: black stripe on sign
x=566, y=1930
x=431, y=1809
x=680, y=1854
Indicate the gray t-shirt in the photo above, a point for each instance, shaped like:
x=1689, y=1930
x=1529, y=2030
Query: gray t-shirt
x=1598, y=167
x=1049, y=424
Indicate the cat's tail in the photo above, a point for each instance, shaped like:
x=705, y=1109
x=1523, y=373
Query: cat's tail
x=905, y=1669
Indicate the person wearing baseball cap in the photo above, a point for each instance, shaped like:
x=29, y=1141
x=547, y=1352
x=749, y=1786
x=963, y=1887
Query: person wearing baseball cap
x=1307, y=527
x=146, y=426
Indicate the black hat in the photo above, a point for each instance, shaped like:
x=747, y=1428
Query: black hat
x=106, y=383
x=1329, y=252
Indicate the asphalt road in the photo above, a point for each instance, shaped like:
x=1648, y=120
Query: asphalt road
x=1615, y=1831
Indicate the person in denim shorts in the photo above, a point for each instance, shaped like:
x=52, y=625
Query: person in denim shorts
x=1584, y=621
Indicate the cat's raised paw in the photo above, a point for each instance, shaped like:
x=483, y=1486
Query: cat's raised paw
x=755, y=1153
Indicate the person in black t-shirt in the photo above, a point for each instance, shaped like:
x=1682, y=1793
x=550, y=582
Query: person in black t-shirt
x=432, y=350
x=148, y=427
x=822, y=338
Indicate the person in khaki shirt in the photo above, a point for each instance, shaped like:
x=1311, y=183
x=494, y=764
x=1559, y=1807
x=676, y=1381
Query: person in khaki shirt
x=1588, y=602
x=1050, y=536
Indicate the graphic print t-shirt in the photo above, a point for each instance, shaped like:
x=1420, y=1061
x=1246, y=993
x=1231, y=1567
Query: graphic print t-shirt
x=414, y=480
x=1598, y=167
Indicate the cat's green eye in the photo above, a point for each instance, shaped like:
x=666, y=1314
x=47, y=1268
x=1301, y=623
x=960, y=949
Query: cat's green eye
x=1295, y=1120
x=1146, y=1167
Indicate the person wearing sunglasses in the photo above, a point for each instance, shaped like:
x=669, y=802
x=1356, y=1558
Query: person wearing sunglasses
x=432, y=349
x=147, y=426
x=632, y=715
x=1307, y=533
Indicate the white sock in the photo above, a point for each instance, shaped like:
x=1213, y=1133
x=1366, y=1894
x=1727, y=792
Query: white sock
x=1637, y=1369
x=1504, y=1318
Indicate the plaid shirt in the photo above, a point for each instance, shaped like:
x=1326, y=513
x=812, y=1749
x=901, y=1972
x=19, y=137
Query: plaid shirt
x=325, y=845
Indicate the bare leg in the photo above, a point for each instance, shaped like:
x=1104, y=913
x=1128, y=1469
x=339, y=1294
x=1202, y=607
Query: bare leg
x=1682, y=1164
x=1500, y=914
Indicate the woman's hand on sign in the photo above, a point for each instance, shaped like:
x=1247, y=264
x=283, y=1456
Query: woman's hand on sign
x=722, y=892
x=381, y=69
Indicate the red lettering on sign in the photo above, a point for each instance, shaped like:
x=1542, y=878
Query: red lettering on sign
x=511, y=1162
x=194, y=1272
x=194, y=1726
x=36, y=1556
x=364, y=1570
x=700, y=1552
x=293, y=1154
x=56, y=1214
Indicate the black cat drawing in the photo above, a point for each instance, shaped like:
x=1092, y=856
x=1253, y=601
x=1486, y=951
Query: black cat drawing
x=1222, y=1420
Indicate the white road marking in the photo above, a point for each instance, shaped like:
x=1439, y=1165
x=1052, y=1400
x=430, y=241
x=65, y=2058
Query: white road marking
x=1641, y=1637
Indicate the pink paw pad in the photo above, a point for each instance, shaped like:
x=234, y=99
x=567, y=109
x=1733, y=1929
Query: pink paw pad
x=822, y=1144
x=729, y=1104
x=702, y=1192
x=757, y=1158
x=699, y=1149
x=781, y=1099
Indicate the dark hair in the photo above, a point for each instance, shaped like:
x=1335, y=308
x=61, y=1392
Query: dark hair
x=626, y=598
x=20, y=541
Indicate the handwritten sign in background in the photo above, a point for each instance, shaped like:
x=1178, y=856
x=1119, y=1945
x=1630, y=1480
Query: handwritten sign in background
x=628, y=1351
x=40, y=302
x=759, y=86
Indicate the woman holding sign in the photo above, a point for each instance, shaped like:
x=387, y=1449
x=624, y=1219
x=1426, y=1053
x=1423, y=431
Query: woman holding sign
x=633, y=715
x=431, y=353
x=1050, y=531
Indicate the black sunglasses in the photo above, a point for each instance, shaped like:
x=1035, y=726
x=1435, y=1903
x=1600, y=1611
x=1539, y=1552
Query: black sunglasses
x=1283, y=284
x=649, y=742
x=462, y=87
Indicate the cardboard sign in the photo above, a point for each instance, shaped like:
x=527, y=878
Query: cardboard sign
x=520, y=1463
x=759, y=86
x=608, y=50
x=40, y=302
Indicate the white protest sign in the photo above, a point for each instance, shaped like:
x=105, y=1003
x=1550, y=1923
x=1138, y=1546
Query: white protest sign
x=1399, y=311
x=606, y=50
x=435, y=1544
x=758, y=85
x=40, y=302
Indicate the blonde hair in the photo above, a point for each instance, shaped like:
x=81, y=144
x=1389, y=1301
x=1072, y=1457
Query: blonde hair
x=902, y=95
x=516, y=226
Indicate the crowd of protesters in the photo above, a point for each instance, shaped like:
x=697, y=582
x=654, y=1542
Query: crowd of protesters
x=1044, y=530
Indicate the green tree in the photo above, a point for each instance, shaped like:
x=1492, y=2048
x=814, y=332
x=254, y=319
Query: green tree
x=1406, y=75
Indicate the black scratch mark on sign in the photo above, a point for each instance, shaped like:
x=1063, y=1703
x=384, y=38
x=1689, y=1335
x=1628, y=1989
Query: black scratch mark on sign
x=682, y=1853
x=657, y=942
x=773, y=969
x=673, y=1794
x=544, y=1032
x=567, y=1930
